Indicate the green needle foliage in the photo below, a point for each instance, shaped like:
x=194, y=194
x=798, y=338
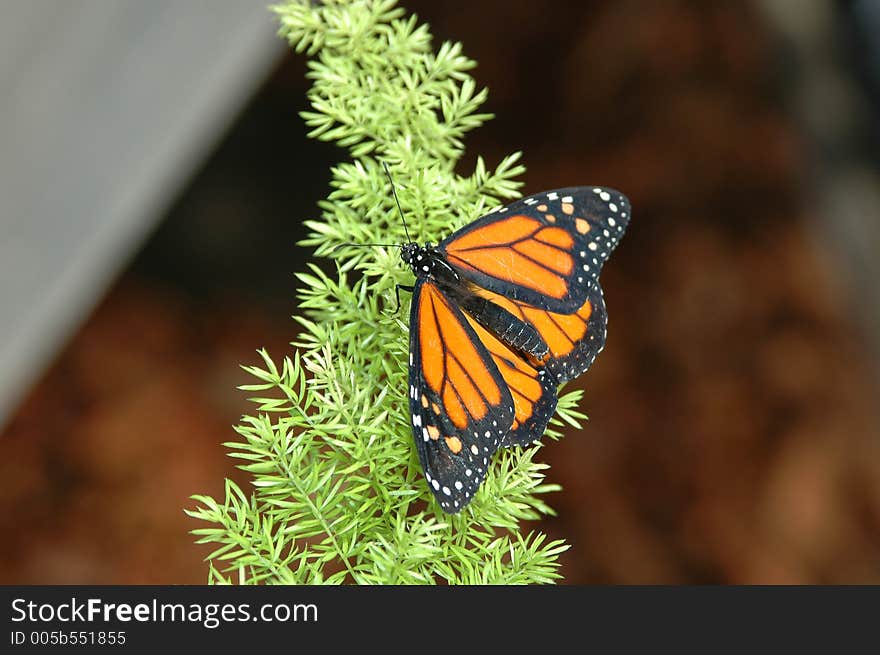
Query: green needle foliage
x=339, y=496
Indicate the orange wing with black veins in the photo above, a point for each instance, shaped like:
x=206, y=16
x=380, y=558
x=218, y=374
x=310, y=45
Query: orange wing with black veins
x=545, y=250
x=460, y=405
x=532, y=388
x=574, y=340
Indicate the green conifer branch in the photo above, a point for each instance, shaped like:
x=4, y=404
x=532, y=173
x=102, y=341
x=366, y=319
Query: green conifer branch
x=338, y=493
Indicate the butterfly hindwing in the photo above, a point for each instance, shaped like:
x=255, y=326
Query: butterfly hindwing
x=545, y=250
x=532, y=388
x=460, y=405
x=573, y=340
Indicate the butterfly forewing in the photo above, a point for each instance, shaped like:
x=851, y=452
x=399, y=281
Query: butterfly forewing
x=460, y=405
x=545, y=250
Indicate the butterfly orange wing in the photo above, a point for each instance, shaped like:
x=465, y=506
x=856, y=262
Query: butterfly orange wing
x=532, y=388
x=573, y=340
x=460, y=405
x=545, y=250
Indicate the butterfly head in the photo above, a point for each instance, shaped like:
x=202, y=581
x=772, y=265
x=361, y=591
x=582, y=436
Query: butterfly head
x=409, y=252
x=426, y=260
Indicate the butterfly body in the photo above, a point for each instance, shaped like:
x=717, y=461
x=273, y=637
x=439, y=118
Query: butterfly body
x=503, y=311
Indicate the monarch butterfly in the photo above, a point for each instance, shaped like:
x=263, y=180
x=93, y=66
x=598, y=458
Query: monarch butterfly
x=503, y=311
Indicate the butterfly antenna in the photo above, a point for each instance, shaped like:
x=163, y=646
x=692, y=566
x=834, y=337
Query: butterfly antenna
x=394, y=193
x=366, y=245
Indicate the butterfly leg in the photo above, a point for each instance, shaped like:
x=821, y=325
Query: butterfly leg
x=397, y=288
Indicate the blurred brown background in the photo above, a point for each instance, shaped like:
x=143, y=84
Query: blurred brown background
x=734, y=433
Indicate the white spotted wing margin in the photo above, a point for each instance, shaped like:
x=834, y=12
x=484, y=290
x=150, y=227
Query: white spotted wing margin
x=460, y=406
